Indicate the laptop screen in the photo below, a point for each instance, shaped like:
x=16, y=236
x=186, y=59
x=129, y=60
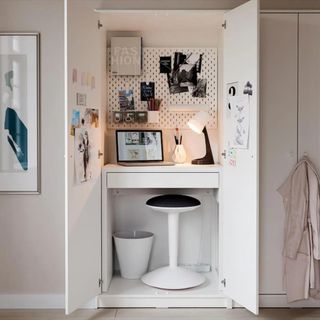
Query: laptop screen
x=139, y=145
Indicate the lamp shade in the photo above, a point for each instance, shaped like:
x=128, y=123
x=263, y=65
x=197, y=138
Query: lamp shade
x=199, y=121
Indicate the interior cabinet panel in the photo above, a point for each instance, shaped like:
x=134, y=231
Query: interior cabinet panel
x=309, y=87
x=278, y=136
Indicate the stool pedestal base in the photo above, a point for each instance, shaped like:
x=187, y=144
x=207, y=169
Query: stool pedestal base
x=173, y=278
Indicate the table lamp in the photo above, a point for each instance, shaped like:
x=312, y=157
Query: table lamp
x=198, y=125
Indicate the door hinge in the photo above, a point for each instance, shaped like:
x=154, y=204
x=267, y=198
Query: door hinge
x=100, y=282
x=224, y=154
x=224, y=282
x=100, y=154
x=100, y=25
x=224, y=25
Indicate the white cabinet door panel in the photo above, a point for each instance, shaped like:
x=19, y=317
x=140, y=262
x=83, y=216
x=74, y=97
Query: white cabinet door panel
x=240, y=184
x=83, y=200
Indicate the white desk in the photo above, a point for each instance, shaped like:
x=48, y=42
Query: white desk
x=126, y=293
x=177, y=176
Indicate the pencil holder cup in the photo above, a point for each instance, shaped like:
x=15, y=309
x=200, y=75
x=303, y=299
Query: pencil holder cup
x=153, y=116
x=179, y=154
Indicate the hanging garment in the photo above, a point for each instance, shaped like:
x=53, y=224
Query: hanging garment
x=300, y=193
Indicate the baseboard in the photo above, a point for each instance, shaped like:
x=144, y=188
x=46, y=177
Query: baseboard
x=280, y=301
x=31, y=301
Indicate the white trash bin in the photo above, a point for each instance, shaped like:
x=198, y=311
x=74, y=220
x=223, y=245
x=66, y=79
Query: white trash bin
x=133, y=250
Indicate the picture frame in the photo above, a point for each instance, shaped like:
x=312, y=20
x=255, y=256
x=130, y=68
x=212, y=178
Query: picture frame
x=20, y=113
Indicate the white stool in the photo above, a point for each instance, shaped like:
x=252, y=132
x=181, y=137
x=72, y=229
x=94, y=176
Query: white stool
x=173, y=276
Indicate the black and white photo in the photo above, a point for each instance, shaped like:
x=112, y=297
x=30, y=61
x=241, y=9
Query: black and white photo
x=165, y=64
x=187, y=75
x=200, y=90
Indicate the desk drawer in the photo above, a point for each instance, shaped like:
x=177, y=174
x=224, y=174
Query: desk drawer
x=163, y=180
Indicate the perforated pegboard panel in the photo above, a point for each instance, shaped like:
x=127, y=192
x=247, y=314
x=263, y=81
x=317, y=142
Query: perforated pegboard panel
x=151, y=72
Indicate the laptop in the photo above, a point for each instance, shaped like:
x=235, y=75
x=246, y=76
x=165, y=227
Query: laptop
x=140, y=148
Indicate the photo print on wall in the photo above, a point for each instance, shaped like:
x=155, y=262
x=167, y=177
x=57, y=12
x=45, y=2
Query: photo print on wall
x=248, y=88
x=165, y=64
x=75, y=121
x=200, y=90
x=91, y=117
x=126, y=100
x=85, y=148
x=146, y=91
x=184, y=76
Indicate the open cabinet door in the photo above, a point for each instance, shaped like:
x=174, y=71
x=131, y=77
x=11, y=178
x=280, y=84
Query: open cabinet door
x=83, y=52
x=240, y=181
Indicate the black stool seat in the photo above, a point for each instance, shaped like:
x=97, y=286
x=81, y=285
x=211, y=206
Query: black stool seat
x=173, y=201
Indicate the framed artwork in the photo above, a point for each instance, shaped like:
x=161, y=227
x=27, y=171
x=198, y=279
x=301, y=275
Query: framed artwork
x=19, y=113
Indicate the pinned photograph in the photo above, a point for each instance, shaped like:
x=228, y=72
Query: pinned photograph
x=75, y=121
x=126, y=100
x=174, y=85
x=179, y=58
x=91, y=118
x=187, y=75
x=146, y=91
x=248, y=89
x=93, y=82
x=81, y=99
x=240, y=122
x=195, y=59
x=232, y=91
x=165, y=64
x=200, y=90
x=74, y=75
x=85, y=154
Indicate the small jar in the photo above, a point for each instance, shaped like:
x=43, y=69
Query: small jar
x=179, y=154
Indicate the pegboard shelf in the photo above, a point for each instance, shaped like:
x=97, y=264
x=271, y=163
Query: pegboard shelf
x=189, y=108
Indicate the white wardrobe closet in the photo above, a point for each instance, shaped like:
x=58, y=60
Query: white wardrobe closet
x=90, y=272
x=289, y=122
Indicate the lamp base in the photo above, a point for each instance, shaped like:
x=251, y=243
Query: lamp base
x=208, y=158
x=204, y=160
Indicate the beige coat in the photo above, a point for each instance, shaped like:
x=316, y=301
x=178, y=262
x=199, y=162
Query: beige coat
x=301, y=250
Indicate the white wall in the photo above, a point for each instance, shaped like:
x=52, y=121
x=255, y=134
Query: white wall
x=32, y=226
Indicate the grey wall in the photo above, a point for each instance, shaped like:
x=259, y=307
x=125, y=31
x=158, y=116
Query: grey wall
x=32, y=226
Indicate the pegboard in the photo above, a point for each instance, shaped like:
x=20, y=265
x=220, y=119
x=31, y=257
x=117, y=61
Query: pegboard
x=151, y=72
